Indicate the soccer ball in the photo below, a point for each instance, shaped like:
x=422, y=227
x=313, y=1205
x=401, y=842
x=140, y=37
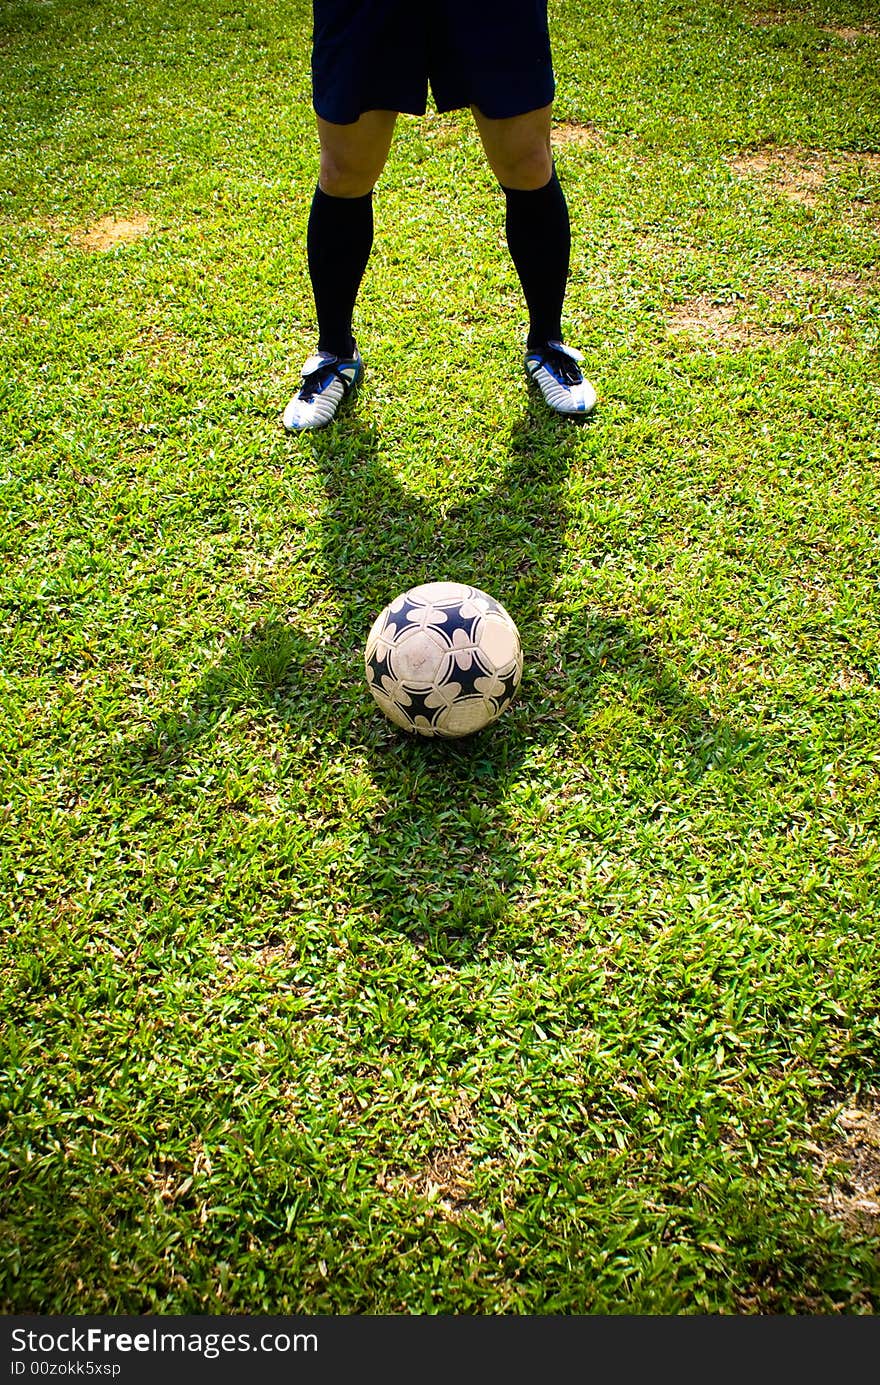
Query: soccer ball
x=443, y=659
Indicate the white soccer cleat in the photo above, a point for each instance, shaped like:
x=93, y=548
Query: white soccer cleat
x=555, y=370
x=326, y=381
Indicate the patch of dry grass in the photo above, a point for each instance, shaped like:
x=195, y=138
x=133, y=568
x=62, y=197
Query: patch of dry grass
x=110, y=231
x=801, y=174
x=850, y=1163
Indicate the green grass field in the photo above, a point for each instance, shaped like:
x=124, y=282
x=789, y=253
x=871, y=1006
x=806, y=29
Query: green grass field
x=580, y=1016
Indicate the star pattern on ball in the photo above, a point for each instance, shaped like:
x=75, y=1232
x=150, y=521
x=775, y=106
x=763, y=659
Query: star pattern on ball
x=443, y=659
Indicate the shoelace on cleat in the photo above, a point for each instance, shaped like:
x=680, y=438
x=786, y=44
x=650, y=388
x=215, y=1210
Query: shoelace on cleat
x=315, y=379
x=561, y=365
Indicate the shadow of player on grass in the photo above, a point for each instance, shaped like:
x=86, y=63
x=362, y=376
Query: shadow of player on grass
x=443, y=861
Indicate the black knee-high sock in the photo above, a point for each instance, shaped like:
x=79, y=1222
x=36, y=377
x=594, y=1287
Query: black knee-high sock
x=338, y=243
x=539, y=240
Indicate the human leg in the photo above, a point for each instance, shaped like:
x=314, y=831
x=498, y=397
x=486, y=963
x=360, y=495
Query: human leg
x=340, y=230
x=537, y=224
x=539, y=239
x=339, y=240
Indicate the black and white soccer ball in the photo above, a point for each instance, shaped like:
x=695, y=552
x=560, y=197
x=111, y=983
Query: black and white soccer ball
x=443, y=659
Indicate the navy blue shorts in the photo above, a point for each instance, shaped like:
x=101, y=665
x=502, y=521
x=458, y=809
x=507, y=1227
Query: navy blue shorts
x=372, y=55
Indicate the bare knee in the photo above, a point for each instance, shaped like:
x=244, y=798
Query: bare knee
x=525, y=168
x=518, y=148
x=340, y=177
x=353, y=156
